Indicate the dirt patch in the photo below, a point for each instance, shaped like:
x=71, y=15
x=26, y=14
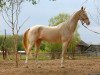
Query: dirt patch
x=52, y=67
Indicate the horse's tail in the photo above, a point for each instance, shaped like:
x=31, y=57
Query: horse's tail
x=25, y=39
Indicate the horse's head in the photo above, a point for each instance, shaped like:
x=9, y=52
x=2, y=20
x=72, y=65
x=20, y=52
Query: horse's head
x=83, y=16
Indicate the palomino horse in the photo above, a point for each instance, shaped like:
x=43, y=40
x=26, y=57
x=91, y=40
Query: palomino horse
x=61, y=33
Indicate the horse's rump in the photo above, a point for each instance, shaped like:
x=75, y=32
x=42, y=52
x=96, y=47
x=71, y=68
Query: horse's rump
x=25, y=37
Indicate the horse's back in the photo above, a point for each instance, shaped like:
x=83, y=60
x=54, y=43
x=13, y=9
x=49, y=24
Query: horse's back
x=36, y=31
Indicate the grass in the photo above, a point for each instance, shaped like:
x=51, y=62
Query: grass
x=23, y=57
x=44, y=56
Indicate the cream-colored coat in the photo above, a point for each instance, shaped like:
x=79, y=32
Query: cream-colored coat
x=61, y=33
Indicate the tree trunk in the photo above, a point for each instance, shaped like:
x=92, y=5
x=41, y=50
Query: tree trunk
x=15, y=38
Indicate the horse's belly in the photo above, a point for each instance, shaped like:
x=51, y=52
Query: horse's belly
x=51, y=37
x=53, y=40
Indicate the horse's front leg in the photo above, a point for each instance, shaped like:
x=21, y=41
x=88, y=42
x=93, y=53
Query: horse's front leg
x=64, y=48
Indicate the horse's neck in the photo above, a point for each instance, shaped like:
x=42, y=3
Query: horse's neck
x=71, y=24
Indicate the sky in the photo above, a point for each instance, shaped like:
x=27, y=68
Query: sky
x=45, y=9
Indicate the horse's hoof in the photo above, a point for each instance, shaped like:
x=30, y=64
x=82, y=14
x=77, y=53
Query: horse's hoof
x=62, y=67
x=39, y=67
x=26, y=67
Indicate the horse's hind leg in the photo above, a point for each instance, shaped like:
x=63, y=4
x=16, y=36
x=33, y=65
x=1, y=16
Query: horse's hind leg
x=28, y=51
x=37, y=47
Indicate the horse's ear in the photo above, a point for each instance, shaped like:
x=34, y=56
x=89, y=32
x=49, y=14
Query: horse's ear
x=82, y=8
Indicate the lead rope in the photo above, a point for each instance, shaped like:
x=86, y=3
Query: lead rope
x=90, y=29
x=83, y=23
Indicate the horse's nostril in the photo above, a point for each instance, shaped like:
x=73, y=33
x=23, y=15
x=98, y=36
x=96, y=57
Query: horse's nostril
x=88, y=23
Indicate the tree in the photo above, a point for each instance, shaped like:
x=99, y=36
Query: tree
x=2, y=3
x=58, y=19
x=10, y=14
x=34, y=2
x=55, y=48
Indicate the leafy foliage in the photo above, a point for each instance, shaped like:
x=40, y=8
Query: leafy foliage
x=58, y=19
x=20, y=45
x=42, y=47
x=34, y=2
x=53, y=47
x=9, y=42
x=2, y=3
x=74, y=42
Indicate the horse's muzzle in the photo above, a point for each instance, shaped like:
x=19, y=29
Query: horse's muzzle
x=88, y=23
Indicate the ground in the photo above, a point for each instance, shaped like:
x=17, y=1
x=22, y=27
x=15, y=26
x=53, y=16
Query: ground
x=52, y=67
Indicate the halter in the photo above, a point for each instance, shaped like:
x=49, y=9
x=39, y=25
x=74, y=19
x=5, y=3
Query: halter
x=82, y=20
x=87, y=27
